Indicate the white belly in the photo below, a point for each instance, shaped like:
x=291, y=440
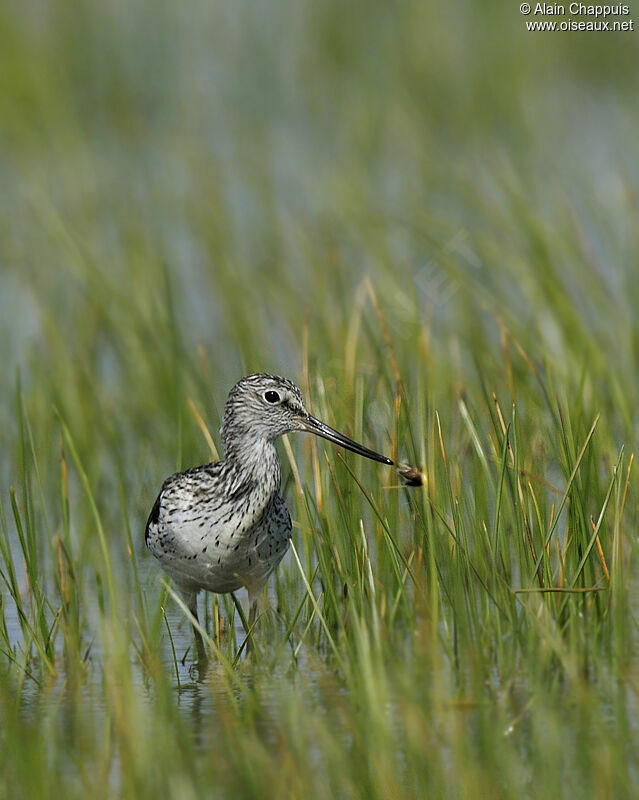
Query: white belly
x=221, y=556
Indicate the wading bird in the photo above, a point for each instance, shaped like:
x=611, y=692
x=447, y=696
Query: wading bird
x=225, y=525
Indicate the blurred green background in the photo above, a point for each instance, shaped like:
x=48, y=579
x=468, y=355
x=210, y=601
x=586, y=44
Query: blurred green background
x=230, y=172
x=411, y=209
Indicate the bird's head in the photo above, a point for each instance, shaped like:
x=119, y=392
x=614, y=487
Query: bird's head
x=265, y=406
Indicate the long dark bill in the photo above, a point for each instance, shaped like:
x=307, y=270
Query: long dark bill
x=313, y=425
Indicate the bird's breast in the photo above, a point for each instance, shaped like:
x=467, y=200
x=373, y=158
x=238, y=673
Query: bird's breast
x=222, y=546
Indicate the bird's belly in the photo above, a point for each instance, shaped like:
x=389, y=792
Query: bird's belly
x=221, y=559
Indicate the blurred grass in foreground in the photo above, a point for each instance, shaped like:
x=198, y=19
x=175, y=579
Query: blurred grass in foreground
x=429, y=219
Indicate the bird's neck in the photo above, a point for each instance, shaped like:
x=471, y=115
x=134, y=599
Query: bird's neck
x=253, y=464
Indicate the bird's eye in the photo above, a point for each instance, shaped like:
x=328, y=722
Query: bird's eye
x=271, y=397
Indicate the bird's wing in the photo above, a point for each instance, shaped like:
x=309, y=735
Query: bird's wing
x=181, y=491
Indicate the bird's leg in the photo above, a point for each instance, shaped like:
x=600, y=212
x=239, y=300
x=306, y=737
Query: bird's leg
x=190, y=600
x=253, y=608
x=246, y=624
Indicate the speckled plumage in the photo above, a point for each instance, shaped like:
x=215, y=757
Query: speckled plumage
x=211, y=530
x=225, y=525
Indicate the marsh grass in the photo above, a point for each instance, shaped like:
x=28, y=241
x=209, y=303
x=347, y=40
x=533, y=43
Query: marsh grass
x=182, y=214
